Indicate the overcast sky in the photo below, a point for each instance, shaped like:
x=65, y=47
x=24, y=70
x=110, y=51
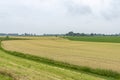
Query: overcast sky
x=59, y=16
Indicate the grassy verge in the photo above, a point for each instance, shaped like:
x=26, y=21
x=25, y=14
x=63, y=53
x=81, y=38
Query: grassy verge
x=113, y=39
x=106, y=73
x=5, y=76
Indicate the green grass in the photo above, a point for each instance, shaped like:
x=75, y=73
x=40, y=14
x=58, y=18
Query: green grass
x=5, y=77
x=23, y=69
x=25, y=66
x=113, y=39
x=100, y=72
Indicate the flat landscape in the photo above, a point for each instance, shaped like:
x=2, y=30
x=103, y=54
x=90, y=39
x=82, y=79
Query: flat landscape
x=95, y=55
x=17, y=68
x=92, y=54
x=59, y=39
x=22, y=69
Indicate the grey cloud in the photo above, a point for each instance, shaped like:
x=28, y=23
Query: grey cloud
x=75, y=9
x=44, y=17
x=113, y=12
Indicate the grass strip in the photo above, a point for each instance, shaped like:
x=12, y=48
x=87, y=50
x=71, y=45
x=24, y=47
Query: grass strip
x=101, y=72
x=6, y=76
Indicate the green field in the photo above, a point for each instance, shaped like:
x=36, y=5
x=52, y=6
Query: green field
x=73, y=52
x=22, y=69
x=29, y=67
x=112, y=39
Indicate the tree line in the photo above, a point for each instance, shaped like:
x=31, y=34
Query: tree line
x=71, y=33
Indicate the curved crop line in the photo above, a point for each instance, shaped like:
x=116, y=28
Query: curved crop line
x=100, y=72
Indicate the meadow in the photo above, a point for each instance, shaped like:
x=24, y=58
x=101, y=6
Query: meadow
x=22, y=69
x=91, y=54
x=77, y=53
x=5, y=77
x=112, y=39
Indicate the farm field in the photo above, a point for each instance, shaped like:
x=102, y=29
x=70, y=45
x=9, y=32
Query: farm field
x=92, y=54
x=112, y=39
x=23, y=69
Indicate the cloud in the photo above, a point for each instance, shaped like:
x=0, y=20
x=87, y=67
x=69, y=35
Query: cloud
x=112, y=11
x=106, y=8
x=76, y=9
x=54, y=15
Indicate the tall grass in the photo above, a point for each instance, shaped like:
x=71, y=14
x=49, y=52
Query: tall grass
x=6, y=76
x=113, y=39
x=101, y=72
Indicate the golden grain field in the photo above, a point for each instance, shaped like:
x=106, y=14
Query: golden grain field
x=92, y=54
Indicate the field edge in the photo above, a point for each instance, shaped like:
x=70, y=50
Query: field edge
x=100, y=72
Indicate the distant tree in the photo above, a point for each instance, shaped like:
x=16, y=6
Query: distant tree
x=92, y=34
x=82, y=34
x=7, y=37
x=71, y=33
x=77, y=34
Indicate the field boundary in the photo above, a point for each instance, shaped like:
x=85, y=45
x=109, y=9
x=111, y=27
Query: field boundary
x=100, y=72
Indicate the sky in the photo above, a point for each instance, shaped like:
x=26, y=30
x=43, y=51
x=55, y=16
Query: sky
x=59, y=16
